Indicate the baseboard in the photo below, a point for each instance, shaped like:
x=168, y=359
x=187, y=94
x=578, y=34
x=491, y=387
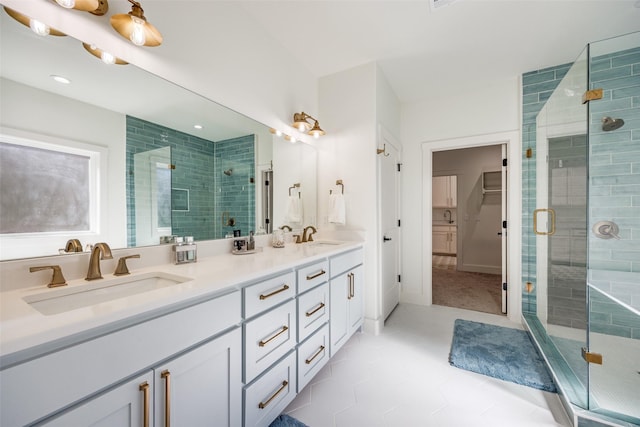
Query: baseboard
x=479, y=268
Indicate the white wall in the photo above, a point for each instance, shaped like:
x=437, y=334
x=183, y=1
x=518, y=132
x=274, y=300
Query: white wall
x=487, y=110
x=29, y=111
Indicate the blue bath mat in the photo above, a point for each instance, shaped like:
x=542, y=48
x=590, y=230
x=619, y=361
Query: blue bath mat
x=285, y=420
x=504, y=353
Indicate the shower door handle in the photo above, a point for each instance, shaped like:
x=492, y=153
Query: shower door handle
x=552, y=219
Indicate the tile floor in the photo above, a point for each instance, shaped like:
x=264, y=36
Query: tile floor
x=402, y=378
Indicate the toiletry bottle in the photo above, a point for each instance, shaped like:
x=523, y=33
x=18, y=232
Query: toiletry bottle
x=252, y=244
x=191, y=254
x=179, y=252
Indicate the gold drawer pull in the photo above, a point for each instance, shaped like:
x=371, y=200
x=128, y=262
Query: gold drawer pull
x=320, y=350
x=282, y=331
x=167, y=397
x=318, y=274
x=144, y=388
x=315, y=310
x=351, y=286
x=284, y=288
x=263, y=405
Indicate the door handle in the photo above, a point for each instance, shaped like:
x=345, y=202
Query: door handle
x=386, y=239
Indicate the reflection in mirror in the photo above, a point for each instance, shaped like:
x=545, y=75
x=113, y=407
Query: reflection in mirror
x=207, y=186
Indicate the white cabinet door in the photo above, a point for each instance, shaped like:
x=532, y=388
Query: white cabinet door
x=347, y=306
x=202, y=387
x=444, y=191
x=128, y=405
x=339, y=309
x=356, y=299
x=440, y=241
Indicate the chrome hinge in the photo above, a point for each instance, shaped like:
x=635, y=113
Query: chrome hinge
x=591, y=357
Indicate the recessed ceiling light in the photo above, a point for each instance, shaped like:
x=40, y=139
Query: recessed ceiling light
x=197, y=126
x=60, y=79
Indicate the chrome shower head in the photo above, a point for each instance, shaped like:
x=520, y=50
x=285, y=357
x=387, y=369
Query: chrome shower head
x=609, y=124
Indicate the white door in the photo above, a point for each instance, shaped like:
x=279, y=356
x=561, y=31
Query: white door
x=389, y=176
x=503, y=231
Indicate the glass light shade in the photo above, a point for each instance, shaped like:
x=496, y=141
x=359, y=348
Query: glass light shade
x=107, y=58
x=137, y=35
x=316, y=131
x=39, y=28
x=67, y=4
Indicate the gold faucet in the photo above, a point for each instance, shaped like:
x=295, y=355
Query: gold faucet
x=100, y=251
x=73, y=245
x=57, y=279
x=285, y=226
x=304, y=234
x=122, y=268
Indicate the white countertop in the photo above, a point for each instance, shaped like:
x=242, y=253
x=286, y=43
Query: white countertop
x=25, y=332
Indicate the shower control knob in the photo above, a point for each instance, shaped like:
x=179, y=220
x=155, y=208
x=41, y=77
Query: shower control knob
x=606, y=230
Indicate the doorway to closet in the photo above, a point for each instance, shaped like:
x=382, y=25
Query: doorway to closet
x=467, y=228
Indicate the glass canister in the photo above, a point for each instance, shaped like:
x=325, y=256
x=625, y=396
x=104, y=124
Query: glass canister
x=277, y=238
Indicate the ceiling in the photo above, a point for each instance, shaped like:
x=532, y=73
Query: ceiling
x=422, y=52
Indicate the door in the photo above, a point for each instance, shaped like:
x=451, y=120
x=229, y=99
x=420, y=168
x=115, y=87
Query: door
x=389, y=176
x=128, y=405
x=203, y=386
x=503, y=231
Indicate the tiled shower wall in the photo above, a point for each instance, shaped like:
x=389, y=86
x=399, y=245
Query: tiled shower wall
x=614, y=191
x=195, y=161
x=537, y=87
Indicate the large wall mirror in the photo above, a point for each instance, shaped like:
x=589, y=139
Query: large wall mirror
x=161, y=160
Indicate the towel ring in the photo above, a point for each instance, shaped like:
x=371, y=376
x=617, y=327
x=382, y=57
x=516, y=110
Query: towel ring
x=296, y=185
x=338, y=182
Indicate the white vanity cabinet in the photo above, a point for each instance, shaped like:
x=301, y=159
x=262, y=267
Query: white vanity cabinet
x=444, y=191
x=347, y=300
x=39, y=388
x=444, y=239
x=192, y=389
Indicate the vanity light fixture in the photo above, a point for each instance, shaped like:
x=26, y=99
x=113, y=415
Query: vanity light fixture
x=96, y=7
x=38, y=27
x=134, y=26
x=104, y=56
x=301, y=122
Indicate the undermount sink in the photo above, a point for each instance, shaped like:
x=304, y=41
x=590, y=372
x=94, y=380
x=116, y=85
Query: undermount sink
x=70, y=298
x=325, y=243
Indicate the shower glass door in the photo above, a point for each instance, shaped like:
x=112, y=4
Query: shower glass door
x=559, y=222
x=614, y=228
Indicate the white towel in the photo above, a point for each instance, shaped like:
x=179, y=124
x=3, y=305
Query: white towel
x=294, y=209
x=336, y=209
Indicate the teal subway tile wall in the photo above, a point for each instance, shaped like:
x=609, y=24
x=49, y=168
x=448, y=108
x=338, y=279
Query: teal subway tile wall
x=537, y=87
x=204, y=200
x=614, y=189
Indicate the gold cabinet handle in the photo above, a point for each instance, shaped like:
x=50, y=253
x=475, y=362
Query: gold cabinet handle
x=317, y=353
x=315, y=310
x=552, y=215
x=144, y=388
x=318, y=274
x=352, y=291
x=263, y=405
x=167, y=397
x=265, y=342
x=282, y=289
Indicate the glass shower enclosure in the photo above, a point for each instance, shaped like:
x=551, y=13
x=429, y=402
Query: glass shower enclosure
x=581, y=227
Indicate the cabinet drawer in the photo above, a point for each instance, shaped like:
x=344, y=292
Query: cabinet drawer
x=313, y=310
x=344, y=262
x=268, y=293
x=312, y=275
x=265, y=399
x=313, y=354
x=268, y=338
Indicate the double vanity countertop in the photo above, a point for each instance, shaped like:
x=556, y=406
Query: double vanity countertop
x=25, y=332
